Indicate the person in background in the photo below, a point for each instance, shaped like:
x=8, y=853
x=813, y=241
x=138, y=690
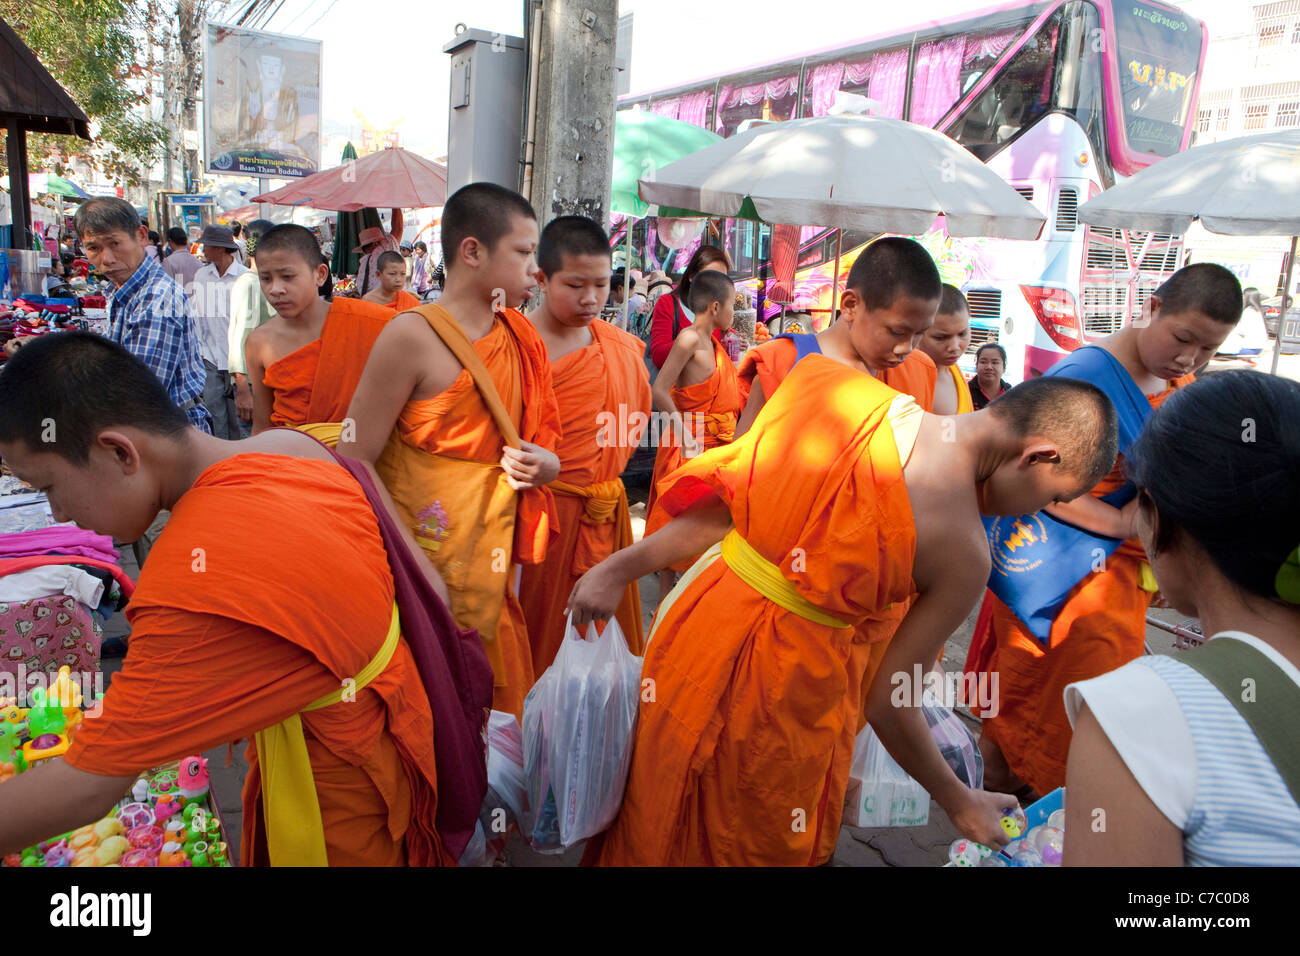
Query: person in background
x=154, y=245
x=237, y=230
x=370, y=244
x=988, y=383
x=1194, y=771
x=671, y=313
x=945, y=341
x=408, y=257
x=249, y=309
x=179, y=264
x=420, y=280
x=389, y=292
x=210, y=295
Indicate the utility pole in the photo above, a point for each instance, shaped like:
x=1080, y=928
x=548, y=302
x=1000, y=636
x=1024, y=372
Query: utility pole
x=190, y=15
x=573, y=119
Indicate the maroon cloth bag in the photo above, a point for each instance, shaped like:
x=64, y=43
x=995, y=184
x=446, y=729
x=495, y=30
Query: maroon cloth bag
x=456, y=674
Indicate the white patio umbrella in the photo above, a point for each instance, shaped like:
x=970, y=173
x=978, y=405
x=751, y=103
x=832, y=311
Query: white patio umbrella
x=854, y=172
x=851, y=172
x=1248, y=186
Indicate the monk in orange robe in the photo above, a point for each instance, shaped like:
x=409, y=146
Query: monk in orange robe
x=306, y=361
x=698, y=392
x=603, y=391
x=221, y=650
x=457, y=412
x=1102, y=625
x=392, y=277
x=745, y=732
x=945, y=342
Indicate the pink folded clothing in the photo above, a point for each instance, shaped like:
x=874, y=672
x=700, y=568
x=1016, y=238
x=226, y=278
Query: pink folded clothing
x=58, y=540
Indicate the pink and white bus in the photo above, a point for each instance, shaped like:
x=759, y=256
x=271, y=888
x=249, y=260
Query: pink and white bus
x=1062, y=98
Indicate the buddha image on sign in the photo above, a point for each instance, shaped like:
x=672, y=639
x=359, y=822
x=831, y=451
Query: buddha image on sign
x=268, y=109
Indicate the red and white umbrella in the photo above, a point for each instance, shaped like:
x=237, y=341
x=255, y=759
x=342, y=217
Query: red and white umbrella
x=392, y=178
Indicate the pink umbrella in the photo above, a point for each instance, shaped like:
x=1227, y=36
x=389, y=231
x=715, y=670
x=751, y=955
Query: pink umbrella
x=392, y=178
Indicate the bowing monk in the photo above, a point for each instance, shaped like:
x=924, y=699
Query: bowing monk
x=305, y=362
x=889, y=300
x=945, y=342
x=220, y=650
x=698, y=392
x=602, y=389
x=392, y=277
x=1080, y=610
x=457, y=413
x=745, y=733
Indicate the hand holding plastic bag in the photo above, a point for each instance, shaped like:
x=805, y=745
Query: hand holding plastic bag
x=578, y=724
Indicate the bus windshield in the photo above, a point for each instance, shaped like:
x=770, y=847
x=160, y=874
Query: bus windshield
x=1159, y=50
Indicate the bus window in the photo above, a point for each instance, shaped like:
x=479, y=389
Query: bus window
x=755, y=96
x=1078, y=76
x=1159, y=50
x=1020, y=95
x=948, y=67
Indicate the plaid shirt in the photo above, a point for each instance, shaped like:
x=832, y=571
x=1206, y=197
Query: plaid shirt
x=149, y=317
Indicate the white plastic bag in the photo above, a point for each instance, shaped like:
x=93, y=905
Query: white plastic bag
x=880, y=793
x=578, y=724
x=955, y=741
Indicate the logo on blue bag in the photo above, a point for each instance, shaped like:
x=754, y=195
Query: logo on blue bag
x=1012, y=540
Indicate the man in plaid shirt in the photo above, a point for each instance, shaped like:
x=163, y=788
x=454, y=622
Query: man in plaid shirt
x=148, y=312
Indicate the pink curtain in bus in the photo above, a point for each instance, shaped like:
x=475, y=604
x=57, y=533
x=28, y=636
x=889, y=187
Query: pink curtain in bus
x=669, y=107
x=889, y=82
x=937, y=80
x=730, y=96
x=855, y=74
x=695, y=108
x=988, y=44
x=824, y=84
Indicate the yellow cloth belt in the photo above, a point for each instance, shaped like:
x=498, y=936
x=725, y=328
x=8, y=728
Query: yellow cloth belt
x=602, y=498
x=721, y=426
x=327, y=433
x=295, y=835
x=766, y=578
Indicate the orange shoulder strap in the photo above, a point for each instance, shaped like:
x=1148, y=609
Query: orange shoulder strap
x=454, y=337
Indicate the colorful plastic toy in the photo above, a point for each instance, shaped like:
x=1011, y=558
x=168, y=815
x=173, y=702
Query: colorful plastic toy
x=173, y=854
x=44, y=716
x=192, y=778
x=135, y=815
x=148, y=838
x=166, y=806
x=111, y=850
x=44, y=746
x=162, y=784
x=174, y=831
x=138, y=858
x=59, y=855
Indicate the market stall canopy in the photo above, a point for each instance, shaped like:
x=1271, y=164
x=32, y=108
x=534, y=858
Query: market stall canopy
x=854, y=172
x=30, y=94
x=1248, y=186
x=392, y=178
x=645, y=142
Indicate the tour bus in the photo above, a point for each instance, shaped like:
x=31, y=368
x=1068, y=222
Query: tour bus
x=1062, y=98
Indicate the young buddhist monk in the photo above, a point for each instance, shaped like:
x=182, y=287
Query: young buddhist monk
x=392, y=277
x=842, y=498
x=457, y=412
x=890, y=299
x=1080, y=609
x=221, y=650
x=698, y=393
x=305, y=362
x=602, y=388
x=945, y=342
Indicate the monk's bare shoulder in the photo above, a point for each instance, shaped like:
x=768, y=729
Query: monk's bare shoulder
x=409, y=349
x=952, y=549
x=284, y=441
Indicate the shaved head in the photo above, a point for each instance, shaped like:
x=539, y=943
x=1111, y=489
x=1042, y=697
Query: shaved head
x=1075, y=415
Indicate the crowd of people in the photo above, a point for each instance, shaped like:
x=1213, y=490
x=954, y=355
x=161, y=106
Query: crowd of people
x=425, y=495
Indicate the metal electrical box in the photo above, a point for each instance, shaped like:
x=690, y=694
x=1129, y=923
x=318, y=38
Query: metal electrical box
x=485, y=119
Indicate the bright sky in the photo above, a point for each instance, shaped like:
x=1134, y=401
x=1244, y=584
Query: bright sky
x=388, y=69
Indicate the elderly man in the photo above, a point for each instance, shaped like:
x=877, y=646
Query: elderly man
x=210, y=303
x=147, y=311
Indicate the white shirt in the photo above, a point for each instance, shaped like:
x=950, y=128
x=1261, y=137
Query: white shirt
x=210, y=307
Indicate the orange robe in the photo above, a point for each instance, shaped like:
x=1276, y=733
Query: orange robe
x=402, y=302
x=221, y=650
x=1101, y=627
x=742, y=755
x=769, y=364
x=712, y=408
x=599, y=389
x=771, y=361
x=315, y=383
x=457, y=424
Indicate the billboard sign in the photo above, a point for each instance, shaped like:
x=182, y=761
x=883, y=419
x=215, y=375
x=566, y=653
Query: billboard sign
x=261, y=97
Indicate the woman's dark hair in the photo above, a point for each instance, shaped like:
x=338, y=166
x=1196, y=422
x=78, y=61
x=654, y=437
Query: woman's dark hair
x=1220, y=461
x=154, y=237
x=992, y=345
x=704, y=256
